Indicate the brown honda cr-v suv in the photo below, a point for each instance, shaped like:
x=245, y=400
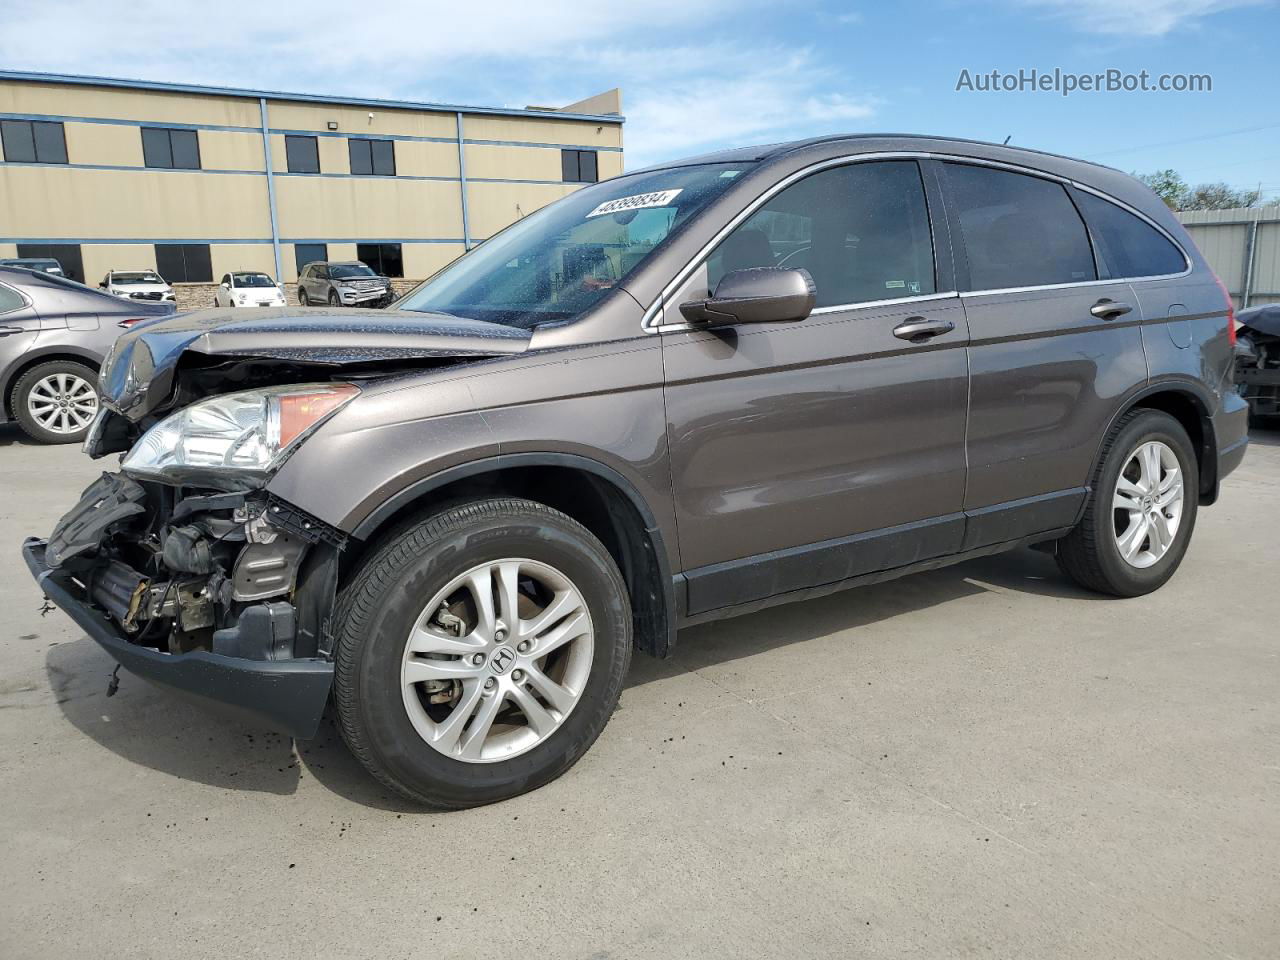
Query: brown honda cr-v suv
x=681, y=394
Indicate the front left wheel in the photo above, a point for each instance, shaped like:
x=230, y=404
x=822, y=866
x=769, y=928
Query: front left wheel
x=480, y=652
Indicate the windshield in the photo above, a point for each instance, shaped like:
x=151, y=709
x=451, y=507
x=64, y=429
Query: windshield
x=560, y=261
x=344, y=271
x=140, y=277
x=251, y=280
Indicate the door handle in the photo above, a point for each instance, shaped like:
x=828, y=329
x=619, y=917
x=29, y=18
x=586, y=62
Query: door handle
x=1106, y=309
x=5, y=331
x=918, y=329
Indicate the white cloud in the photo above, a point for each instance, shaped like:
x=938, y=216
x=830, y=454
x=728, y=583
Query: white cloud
x=1141, y=18
x=681, y=95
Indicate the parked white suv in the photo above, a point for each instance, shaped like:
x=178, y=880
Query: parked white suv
x=137, y=285
x=248, y=289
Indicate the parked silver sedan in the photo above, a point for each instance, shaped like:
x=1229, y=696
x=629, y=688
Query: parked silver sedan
x=54, y=334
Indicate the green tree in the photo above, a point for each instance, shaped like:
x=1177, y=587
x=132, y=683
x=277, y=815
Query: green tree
x=1219, y=196
x=1168, y=185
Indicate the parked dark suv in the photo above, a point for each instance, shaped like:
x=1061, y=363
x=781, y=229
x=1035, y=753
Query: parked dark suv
x=674, y=396
x=342, y=285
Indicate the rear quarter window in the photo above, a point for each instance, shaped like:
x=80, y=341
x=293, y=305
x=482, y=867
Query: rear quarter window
x=1018, y=230
x=1127, y=245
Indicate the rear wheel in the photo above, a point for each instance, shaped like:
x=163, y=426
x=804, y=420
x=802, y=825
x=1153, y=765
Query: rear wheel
x=480, y=652
x=1141, y=511
x=55, y=402
x=303, y=299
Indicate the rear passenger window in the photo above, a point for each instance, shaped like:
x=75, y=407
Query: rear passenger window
x=1128, y=247
x=862, y=232
x=1019, y=231
x=10, y=300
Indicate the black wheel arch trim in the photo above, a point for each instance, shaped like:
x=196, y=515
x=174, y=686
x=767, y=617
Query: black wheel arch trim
x=1204, y=404
x=663, y=643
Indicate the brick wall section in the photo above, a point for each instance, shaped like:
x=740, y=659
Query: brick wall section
x=199, y=296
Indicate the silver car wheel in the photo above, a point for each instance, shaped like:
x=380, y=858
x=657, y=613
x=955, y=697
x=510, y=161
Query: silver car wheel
x=1147, y=504
x=497, y=660
x=62, y=403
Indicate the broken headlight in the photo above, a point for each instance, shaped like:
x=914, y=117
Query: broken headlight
x=234, y=441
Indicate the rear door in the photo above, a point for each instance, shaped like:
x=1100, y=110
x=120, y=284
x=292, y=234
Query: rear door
x=1052, y=349
x=803, y=454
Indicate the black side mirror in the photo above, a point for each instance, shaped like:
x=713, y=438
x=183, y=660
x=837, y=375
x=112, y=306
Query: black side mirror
x=757, y=295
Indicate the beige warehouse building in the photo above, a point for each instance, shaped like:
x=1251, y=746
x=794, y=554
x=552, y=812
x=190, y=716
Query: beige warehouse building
x=112, y=174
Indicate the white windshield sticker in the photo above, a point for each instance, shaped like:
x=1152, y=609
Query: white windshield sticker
x=659, y=198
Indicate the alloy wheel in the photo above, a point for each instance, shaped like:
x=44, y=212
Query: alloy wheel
x=62, y=403
x=1147, y=504
x=497, y=660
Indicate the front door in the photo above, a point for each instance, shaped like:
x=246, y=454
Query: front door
x=804, y=454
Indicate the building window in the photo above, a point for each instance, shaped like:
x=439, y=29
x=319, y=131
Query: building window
x=304, y=253
x=184, y=262
x=375, y=158
x=384, y=258
x=171, y=149
x=67, y=255
x=302, y=154
x=579, y=166
x=33, y=141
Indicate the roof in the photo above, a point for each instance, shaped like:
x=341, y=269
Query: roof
x=193, y=88
x=769, y=150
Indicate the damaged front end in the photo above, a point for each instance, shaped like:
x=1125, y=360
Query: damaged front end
x=221, y=595
x=184, y=566
x=1258, y=359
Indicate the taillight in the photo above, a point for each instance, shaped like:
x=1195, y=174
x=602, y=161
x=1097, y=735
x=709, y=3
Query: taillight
x=130, y=321
x=1231, y=311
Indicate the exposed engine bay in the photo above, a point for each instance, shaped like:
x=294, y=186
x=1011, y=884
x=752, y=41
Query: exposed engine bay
x=182, y=569
x=1258, y=359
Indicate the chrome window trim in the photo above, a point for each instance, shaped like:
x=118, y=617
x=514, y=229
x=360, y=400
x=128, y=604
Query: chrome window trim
x=648, y=324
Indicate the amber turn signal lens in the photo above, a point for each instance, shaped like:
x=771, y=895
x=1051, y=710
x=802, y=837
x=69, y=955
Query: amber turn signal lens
x=300, y=411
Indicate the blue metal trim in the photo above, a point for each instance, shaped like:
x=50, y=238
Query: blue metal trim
x=462, y=186
x=111, y=121
x=149, y=241
x=364, y=176
x=458, y=240
x=549, y=146
x=275, y=173
x=113, y=166
x=282, y=131
x=285, y=132
x=80, y=80
x=271, y=189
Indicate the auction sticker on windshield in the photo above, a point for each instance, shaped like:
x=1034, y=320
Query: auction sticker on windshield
x=658, y=198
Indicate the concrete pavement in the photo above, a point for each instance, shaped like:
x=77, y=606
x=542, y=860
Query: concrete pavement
x=979, y=761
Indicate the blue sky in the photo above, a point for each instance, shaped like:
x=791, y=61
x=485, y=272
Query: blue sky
x=699, y=74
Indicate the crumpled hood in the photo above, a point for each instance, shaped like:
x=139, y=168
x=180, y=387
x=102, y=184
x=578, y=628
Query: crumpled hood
x=1264, y=319
x=138, y=374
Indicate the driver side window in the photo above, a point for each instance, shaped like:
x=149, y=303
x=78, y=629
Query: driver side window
x=861, y=230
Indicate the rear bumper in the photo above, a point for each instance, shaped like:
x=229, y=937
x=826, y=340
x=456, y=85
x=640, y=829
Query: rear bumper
x=284, y=695
x=1231, y=428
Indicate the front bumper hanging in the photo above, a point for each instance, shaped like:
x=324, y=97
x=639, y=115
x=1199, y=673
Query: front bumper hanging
x=285, y=695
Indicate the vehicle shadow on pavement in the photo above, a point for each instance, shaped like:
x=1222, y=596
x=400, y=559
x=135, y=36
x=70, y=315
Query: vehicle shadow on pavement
x=1020, y=571
x=11, y=435
x=155, y=729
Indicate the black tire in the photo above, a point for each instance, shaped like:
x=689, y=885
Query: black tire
x=379, y=606
x=22, y=389
x=333, y=299
x=303, y=299
x=1089, y=555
